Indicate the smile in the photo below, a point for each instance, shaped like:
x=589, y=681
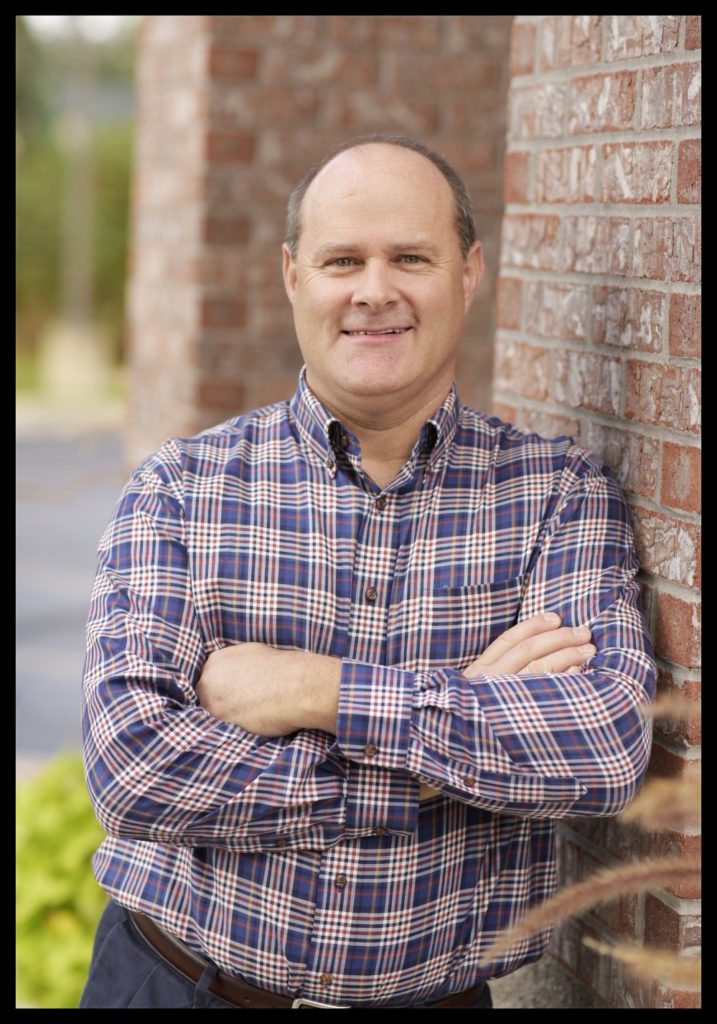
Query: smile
x=380, y=332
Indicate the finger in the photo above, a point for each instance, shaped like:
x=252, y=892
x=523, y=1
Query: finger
x=569, y=660
x=535, y=647
x=516, y=634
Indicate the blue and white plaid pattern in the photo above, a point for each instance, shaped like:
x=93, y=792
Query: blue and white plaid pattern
x=307, y=864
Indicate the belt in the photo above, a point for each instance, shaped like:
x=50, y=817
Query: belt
x=240, y=993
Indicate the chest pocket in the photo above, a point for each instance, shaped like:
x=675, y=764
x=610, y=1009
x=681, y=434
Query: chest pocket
x=462, y=621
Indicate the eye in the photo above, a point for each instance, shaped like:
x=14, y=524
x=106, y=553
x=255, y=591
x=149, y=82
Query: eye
x=342, y=261
x=411, y=258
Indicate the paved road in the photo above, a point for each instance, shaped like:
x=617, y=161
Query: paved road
x=67, y=485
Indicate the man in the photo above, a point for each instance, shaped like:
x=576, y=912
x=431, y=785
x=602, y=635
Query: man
x=351, y=655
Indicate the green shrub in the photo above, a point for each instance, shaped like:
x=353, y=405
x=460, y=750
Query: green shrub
x=59, y=904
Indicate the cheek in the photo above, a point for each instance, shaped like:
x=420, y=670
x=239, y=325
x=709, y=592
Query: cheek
x=318, y=301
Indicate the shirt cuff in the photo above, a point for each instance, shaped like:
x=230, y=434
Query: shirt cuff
x=374, y=719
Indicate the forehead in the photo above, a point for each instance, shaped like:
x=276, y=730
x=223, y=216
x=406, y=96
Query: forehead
x=378, y=185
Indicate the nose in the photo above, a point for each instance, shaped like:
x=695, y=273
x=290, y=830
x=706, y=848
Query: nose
x=374, y=285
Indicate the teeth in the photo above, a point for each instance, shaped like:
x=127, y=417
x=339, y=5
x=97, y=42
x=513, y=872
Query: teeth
x=388, y=330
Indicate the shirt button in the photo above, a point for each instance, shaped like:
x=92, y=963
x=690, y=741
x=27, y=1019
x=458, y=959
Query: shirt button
x=381, y=503
x=281, y=842
x=341, y=881
x=329, y=463
x=345, y=441
x=325, y=980
x=370, y=750
x=380, y=830
x=469, y=780
x=371, y=594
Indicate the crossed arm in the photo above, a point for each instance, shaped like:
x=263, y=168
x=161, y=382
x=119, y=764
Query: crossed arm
x=274, y=692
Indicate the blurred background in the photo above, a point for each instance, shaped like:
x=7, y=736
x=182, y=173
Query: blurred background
x=74, y=133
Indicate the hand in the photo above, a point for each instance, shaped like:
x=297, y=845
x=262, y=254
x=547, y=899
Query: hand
x=534, y=647
x=270, y=692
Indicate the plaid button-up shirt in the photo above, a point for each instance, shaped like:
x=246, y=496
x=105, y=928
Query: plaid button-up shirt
x=307, y=864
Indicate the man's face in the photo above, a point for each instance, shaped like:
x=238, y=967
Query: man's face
x=379, y=287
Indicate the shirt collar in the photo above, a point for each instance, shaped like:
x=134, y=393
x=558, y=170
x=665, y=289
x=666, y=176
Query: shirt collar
x=326, y=436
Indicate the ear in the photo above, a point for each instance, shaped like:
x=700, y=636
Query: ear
x=289, y=271
x=472, y=272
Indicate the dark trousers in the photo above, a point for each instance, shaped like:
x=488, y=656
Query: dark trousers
x=127, y=973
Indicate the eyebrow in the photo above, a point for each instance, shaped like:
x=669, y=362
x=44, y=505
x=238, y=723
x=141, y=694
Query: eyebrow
x=413, y=245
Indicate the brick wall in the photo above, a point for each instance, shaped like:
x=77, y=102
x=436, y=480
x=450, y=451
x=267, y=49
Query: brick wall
x=598, y=337
x=231, y=111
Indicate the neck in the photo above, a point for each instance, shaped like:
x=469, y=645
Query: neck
x=386, y=432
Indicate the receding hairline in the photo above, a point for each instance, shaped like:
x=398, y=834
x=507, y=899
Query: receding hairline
x=461, y=199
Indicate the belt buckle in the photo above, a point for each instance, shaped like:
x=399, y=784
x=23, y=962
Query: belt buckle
x=313, y=1004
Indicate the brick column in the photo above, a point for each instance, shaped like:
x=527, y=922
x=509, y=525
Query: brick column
x=231, y=111
x=599, y=321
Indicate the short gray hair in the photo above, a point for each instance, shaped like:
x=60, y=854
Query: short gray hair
x=465, y=224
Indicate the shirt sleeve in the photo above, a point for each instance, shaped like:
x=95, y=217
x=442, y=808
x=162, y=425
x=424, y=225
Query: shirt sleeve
x=158, y=766
x=531, y=745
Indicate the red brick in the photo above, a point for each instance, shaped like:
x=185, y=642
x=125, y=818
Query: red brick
x=667, y=396
x=666, y=998
x=595, y=245
x=547, y=424
x=683, y=729
x=523, y=369
x=536, y=111
x=367, y=110
x=224, y=394
x=633, y=457
x=275, y=104
x=668, y=248
x=685, y=324
x=402, y=31
x=640, y=35
x=575, y=864
x=522, y=47
x=677, y=630
x=566, y=175
x=274, y=389
x=681, y=476
x=472, y=71
x=693, y=32
x=601, y=103
x=297, y=29
x=530, y=240
x=225, y=60
x=505, y=412
x=586, y=380
x=667, y=547
x=230, y=147
x=637, y=172
x=671, y=96
x=320, y=65
x=223, y=312
x=474, y=115
x=517, y=180
x=556, y=310
x=689, y=171
x=567, y=40
x=668, y=764
x=668, y=928
x=226, y=230
x=509, y=292
x=484, y=34
x=630, y=318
